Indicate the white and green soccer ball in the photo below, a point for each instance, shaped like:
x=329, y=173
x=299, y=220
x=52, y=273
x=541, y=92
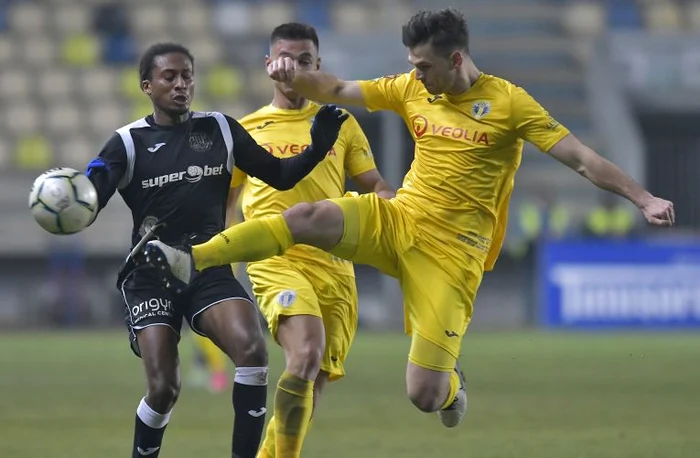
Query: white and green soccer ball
x=63, y=201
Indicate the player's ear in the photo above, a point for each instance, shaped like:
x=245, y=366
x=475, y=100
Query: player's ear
x=146, y=87
x=267, y=60
x=318, y=63
x=456, y=59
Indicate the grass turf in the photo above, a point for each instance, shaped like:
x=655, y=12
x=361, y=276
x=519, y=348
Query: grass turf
x=531, y=395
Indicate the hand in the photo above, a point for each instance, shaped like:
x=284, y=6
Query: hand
x=326, y=126
x=282, y=69
x=658, y=212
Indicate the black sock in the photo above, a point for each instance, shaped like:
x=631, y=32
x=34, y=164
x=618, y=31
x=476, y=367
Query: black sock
x=249, y=407
x=148, y=431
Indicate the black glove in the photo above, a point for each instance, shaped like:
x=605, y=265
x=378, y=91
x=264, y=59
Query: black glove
x=325, y=129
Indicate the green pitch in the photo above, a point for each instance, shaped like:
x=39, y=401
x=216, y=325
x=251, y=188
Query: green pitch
x=530, y=396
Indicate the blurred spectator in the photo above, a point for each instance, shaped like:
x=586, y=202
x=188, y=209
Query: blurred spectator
x=610, y=219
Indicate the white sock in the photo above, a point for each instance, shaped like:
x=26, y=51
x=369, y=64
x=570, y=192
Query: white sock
x=150, y=417
x=251, y=376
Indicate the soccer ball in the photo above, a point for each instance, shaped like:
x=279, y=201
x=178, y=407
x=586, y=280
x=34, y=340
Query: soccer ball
x=63, y=201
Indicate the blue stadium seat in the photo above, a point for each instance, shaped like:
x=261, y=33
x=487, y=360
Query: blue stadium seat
x=624, y=14
x=314, y=12
x=119, y=49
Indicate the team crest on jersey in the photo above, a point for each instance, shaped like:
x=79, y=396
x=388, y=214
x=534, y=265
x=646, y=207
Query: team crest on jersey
x=481, y=109
x=286, y=298
x=146, y=225
x=200, y=142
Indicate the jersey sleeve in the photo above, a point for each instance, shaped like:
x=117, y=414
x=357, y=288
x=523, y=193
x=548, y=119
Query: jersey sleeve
x=533, y=123
x=254, y=160
x=108, y=168
x=386, y=92
x=358, y=156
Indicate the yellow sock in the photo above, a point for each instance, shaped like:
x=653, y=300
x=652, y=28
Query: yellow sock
x=294, y=403
x=267, y=449
x=454, y=386
x=216, y=361
x=253, y=240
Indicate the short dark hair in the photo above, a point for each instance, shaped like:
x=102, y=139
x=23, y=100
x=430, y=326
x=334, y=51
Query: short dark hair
x=294, y=31
x=147, y=60
x=445, y=29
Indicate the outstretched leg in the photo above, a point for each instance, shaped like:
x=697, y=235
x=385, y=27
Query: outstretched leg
x=319, y=224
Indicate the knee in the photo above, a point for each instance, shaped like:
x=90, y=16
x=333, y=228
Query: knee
x=304, y=361
x=163, y=392
x=309, y=221
x=425, y=396
x=251, y=351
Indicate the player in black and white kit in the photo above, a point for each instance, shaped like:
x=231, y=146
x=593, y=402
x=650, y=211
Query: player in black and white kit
x=173, y=169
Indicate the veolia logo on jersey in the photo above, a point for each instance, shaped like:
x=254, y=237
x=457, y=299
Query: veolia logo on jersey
x=193, y=174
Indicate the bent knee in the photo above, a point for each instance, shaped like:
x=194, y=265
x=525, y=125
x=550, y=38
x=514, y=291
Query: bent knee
x=305, y=361
x=426, y=397
x=163, y=392
x=319, y=224
x=251, y=352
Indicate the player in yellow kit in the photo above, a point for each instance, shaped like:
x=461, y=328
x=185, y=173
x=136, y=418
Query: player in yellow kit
x=447, y=222
x=308, y=296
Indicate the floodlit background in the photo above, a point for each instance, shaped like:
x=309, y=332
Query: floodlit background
x=584, y=341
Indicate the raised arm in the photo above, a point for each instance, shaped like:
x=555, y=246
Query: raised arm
x=283, y=174
x=107, y=170
x=316, y=85
x=534, y=124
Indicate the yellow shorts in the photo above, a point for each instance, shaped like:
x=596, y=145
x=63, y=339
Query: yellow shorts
x=291, y=287
x=438, y=277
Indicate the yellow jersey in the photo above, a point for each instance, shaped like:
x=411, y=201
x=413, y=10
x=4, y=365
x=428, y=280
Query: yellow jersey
x=467, y=150
x=286, y=133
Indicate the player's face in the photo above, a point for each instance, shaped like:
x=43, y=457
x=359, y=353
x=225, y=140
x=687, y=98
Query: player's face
x=171, y=86
x=303, y=52
x=437, y=72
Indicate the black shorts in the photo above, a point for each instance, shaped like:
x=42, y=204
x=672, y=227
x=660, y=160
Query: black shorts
x=149, y=303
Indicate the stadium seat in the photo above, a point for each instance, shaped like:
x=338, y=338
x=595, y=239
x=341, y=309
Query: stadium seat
x=56, y=84
x=5, y=155
x=351, y=18
x=71, y=19
x=81, y=50
x=149, y=18
x=104, y=118
x=38, y=51
x=27, y=17
x=7, y=51
x=259, y=86
x=207, y=50
x=223, y=82
x=662, y=16
x=692, y=15
x=76, y=151
x=22, y=118
x=15, y=84
x=119, y=49
x=131, y=84
x=100, y=83
x=316, y=12
x=140, y=108
x=62, y=117
x=191, y=19
x=111, y=19
x=624, y=14
x=233, y=19
x=270, y=15
x=584, y=19
x=33, y=152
